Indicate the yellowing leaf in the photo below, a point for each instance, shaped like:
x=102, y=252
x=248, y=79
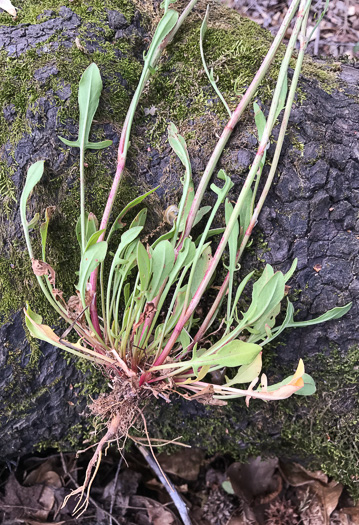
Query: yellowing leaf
x=202, y=373
x=45, y=333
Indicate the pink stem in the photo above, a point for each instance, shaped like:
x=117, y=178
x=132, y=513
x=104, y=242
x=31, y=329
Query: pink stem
x=234, y=120
x=105, y=218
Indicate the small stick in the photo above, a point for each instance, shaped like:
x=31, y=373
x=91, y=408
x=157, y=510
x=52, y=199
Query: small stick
x=168, y=485
x=114, y=488
x=68, y=330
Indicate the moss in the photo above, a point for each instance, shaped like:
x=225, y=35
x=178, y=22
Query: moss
x=229, y=45
x=325, y=74
x=28, y=12
x=321, y=430
x=297, y=145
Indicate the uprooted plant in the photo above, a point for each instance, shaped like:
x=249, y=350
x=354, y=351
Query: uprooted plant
x=145, y=335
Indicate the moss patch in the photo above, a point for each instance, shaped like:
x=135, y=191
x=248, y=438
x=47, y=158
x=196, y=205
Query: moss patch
x=28, y=12
x=321, y=430
x=181, y=90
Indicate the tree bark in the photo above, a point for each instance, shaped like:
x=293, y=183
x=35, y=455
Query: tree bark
x=311, y=213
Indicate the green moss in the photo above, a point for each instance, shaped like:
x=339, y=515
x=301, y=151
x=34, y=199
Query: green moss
x=325, y=74
x=28, y=12
x=181, y=90
x=7, y=189
x=297, y=145
x=321, y=430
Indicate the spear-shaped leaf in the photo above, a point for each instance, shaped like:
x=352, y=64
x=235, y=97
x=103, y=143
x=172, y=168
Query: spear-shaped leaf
x=90, y=88
x=34, y=174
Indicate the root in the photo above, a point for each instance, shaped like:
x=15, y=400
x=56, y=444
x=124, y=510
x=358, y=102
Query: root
x=120, y=409
x=83, y=502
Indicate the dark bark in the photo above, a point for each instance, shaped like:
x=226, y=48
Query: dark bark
x=311, y=213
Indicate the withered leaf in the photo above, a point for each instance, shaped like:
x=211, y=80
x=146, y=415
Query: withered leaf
x=41, y=268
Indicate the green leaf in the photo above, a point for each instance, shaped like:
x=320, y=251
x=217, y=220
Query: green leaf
x=184, y=339
x=117, y=223
x=140, y=219
x=90, y=88
x=240, y=291
x=234, y=353
x=245, y=213
x=98, y=145
x=144, y=266
x=163, y=259
x=165, y=26
x=201, y=213
x=91, y=225
x=232, y=245
x=282, y=97
x=186, y=203
x=184, y=258
x=334, y=313
x=267, y=292
x=309, y=387
x=166, y=3
x=71, y=143
x=126, y=238
x=201, y=268
x=34, y=174
x=246, y=373
x=34, y=221
x=93, y=239
x=45, y=333
x=210, y=74
x=227, y=487
x=260, y=120
x=211, y=233
x=91, y=258
x=178, y=144
x=43, y=233
x=291, y=270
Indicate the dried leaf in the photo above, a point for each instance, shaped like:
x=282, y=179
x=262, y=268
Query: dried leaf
x=185, y=463
x=317, y=267
x=296, y=475
x=254, y=479
x=44, y=475
x=205, y=396
x=160, y=515
x=41, y=268
x=328, y=493
x=27, y=502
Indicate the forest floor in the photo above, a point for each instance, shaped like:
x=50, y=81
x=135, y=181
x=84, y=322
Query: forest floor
x=216, y=491
x=337, y=34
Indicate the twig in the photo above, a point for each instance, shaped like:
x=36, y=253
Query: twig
x=168, y=485
x=99, y=507
x=114, y=488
